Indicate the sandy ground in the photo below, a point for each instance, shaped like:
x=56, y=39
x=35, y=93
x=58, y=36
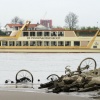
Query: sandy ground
x=9, y=92
x=15, y=95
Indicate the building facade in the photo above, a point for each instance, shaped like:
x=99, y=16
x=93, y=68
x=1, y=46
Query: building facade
x=15, y=27
x=46, y=23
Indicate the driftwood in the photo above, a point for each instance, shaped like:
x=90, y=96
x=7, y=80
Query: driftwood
x=76, y=80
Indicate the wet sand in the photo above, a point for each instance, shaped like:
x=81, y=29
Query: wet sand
x=10, y=92
x=17, y=95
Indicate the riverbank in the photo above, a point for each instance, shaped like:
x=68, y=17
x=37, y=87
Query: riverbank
x=11, y=93
x=23, y=95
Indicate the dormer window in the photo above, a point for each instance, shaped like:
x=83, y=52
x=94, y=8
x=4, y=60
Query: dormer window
x=16, y=28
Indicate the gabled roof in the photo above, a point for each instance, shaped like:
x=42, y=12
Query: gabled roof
x=20, y=25
x=14, y=25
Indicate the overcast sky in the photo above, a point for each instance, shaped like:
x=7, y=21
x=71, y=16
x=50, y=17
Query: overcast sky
x=88, y=11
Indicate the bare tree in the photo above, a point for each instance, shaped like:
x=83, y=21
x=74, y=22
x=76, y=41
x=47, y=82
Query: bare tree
x=17, y=20
x=21, y=21
x=71, y=20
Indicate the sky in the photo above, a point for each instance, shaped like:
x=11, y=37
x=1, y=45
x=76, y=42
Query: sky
x=88, y=11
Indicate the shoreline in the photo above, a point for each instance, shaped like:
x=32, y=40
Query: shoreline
x=33, y=92
x=11, y=93
x=19, y=95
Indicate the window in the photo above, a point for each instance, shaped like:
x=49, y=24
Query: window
x=18, y=43
x=39, y=33
x=32, y=43
x=94, y=46
x=46, y=34
x=60, y=33
x=67, y=43
x=4, y=43
x=53, y=43
x=46, y=43
x=31, y=28
x=76, y=43
x=60, y=43
x=39, y=43
x=25, y=33
x=25, y=43
x=32, y=33
x=16, y=28
x=53, y=33
x=11, y=43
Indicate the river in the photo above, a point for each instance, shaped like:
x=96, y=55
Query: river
x=40, y=64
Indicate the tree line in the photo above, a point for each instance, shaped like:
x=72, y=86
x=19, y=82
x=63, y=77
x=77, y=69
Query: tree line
x=71, y=21
x=2, y=33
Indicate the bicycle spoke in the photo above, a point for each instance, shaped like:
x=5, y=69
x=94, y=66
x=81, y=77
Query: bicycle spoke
x=87, y=64
x=25, y=75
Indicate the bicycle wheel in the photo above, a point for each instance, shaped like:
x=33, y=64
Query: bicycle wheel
x=87, y=64
x=24, y=76
x=53, y=77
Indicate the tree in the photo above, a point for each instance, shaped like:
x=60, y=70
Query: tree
x=2, y=33
x=71, y=20
x=17, y=20
x=89, y=28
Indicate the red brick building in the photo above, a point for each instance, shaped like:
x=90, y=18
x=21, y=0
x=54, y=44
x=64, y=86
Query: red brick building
x=46, y=23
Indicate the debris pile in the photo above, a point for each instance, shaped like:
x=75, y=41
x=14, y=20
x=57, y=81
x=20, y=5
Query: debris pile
x=85, y=78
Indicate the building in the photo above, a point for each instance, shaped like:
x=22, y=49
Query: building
x=15, y=27
x=46, y=23
x=52, y=41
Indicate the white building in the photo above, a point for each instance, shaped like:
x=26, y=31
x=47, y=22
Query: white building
x=14, y=27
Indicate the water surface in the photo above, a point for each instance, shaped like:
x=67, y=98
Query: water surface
x=40, y=64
